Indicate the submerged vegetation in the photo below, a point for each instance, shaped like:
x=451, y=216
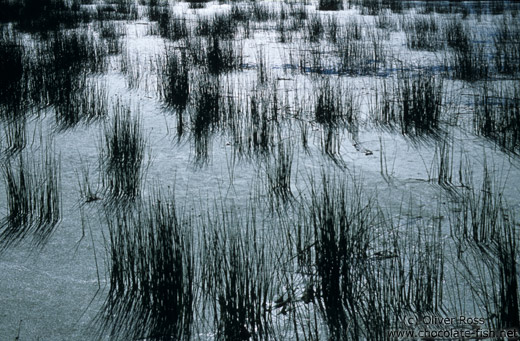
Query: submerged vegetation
x=321, y=170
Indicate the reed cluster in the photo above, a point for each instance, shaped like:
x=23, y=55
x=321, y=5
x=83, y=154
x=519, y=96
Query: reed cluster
x=33, y=197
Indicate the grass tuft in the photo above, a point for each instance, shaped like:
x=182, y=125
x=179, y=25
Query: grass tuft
x=414, y=105
x=422, y=33
x=122, y=155
x=33, y=200
x=507, y=46
x=497, y=116
x=151, y=274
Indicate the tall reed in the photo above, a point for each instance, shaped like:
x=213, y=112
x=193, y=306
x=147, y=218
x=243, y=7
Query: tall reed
x=497, y=116
x=279, y=173
x=122, y=154
x=237, y=282
x=340, y=220
x=151, y=274
x=33, y=197
x=413, y=105
x=423, y=34
x=173, y=80
x=330, y=5
x=12, y=68
x=507, y=46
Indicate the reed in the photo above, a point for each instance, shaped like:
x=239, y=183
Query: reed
x=469, y=62
x=332, y=29
x=263, y=12
x=15, y=136
x=299, y=12
x=207, y=100
x=334, y=106
x=172, y=26
x=498, y=7
x=335, y=110
x=425, y=272
x=236, y=279
x=497, y=116
x=457, y=34
x=58, y=70
x=353, y=30
x=33, y=197
x=414, y=105
x=506, y=41
x=80, y=100
x=222, y=56
x=76, y=51
x=444, y=159
x=126, y=9
x=482, y=212
x=421, y=104
x=111, y=34
x=252, y=121
x=339, y=220
x=314, y=28
x=284, y=33
x=360, y=57
x=218, y=25
x=487, y=239
x=155, y=10
x=173, y=80
x=87, y=191
x=122, y=154
x=330, y=5
x=365, y=281
x=205, y=118
x=395, y=6
x=13, y=70
x=279, y=173
x=197, y=4
x=386, y=21
x=151, y=274
x=239, y=12
x=262, y=68
x=509, y=293
x=47, y=15
x=370, y=7
x=423, y=34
